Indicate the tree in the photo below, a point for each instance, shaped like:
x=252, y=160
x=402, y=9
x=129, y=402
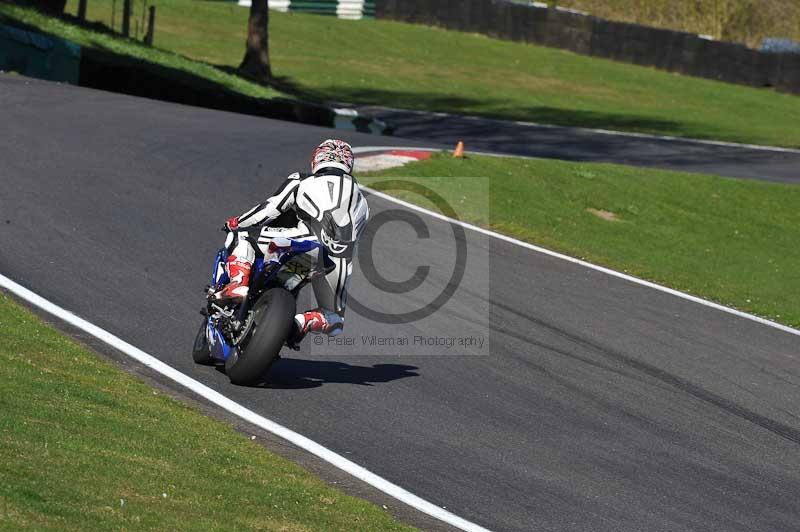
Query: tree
x=256, y=58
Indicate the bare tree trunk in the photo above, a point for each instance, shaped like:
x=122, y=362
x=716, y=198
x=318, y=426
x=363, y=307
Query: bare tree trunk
x=256, y=58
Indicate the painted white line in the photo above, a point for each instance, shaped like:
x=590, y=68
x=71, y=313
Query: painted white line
x=573, y=260
x=236, y=409
x=632, y=134
x=370, y=149
x=669, y=138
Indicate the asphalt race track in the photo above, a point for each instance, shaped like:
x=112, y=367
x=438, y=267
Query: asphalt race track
x=576, y=144
x=597, y=404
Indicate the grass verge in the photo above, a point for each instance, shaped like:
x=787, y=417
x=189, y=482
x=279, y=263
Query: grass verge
x=416, y=67
x=737, y=20
x=731, y=241
x=170, y=62
x=86, y=446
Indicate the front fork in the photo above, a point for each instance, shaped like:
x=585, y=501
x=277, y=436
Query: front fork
x=262, y=273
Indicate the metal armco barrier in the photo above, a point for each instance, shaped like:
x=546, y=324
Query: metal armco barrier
x=348, y=9
x=673, y=51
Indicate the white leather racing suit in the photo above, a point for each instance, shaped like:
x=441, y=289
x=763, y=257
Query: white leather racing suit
x=327, y=207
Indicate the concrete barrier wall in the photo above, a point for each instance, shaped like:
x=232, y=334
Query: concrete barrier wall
x=673, y=51
x=40, y=56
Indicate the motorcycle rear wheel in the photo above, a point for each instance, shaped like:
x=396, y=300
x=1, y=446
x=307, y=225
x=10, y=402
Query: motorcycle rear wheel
x=273, y=316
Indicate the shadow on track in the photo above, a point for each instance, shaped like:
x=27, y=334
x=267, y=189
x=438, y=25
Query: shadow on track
x=295, y=373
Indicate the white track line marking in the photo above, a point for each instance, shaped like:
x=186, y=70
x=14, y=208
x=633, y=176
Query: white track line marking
x=236, y=409
x=610, y=132
x=368, y=149
x=573, y=260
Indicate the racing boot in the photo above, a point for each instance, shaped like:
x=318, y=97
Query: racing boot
x=303, y=324
x=238, y=286
x=297, y=333
x=316, y=321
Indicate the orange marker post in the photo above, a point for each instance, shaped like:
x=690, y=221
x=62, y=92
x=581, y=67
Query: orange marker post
x=459, y=151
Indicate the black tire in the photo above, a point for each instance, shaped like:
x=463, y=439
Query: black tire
x=272, y=323
x=201, y=353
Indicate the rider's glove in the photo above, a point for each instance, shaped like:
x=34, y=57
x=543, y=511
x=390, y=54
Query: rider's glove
x=231, y=225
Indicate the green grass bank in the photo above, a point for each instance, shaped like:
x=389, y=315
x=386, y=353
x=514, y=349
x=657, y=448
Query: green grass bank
x=409, y=66
x=416, y=67
x=85, y=446
x=169, y=61
x=746, y=21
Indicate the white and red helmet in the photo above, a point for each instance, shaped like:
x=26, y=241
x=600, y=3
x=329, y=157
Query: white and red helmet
x=332, y=154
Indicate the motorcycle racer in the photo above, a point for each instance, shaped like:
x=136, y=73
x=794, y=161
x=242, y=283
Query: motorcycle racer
x=326, y=206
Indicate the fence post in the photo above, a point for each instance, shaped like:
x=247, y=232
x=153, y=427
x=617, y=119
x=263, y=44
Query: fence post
x=126, y=18
x=82, y=10
x=151, y=26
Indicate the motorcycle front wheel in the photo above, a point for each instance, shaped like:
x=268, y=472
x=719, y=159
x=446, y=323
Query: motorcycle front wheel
x=201, y=353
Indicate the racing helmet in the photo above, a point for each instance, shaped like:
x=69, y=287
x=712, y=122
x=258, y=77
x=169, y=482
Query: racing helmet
x=332, y=153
